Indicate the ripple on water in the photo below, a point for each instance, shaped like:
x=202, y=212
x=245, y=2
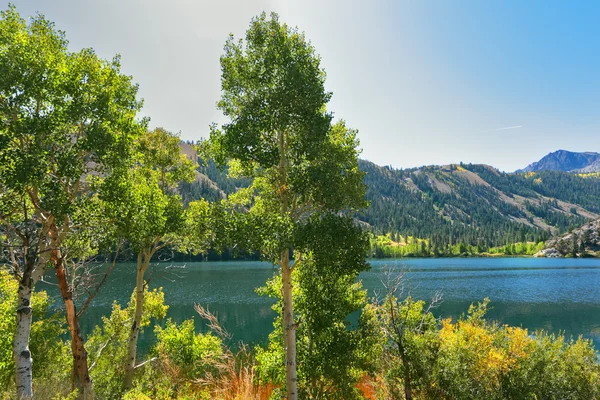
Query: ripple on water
x=553, y=294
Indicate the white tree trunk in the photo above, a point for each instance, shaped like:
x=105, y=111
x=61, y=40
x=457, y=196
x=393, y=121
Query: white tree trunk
x=32, y=273
x=289, y=325
x=289, y=329
x=137, y=320
x=23, y=360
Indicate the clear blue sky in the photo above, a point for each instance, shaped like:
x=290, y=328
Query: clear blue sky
x=424, y=82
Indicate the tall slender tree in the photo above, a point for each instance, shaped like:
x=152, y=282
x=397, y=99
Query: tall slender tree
x=64, y=117
x=281, y=135
x=152, y=216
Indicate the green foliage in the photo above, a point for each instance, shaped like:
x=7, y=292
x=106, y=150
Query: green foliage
x=409, y=342
x=332, y=353
x=272, y=82
x=554, y=368
x=144, y=212
x=196, y=229
x=67, y=121
x=160, y=151
x=281, y=132
x=382, y=246
x=51, y=353
x=282, y=137
x=182, y=359
x=107, y=345
x=149, y=214
x=63, y=115
x=196, y=354
x=478, y=359
x=525, y=249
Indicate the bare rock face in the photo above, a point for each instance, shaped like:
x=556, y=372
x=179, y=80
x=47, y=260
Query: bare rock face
x=568, y=161
x=548, y=253
x=593, y=167
x=581, y=242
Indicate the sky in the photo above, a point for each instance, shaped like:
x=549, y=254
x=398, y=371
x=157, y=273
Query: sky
x=425, y=82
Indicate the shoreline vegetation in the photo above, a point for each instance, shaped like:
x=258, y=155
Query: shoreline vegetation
x=84, y=182
x=470, y=357
x=397, y=246
x=576, y=244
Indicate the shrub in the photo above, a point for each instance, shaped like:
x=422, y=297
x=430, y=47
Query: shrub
x=107, y=345
x=195, y=354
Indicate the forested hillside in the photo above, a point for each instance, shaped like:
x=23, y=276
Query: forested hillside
x=471, y=204
x=211, y=182
x=476, y=204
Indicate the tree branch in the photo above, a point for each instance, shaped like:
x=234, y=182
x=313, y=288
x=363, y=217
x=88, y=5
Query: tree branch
x=101, y=351
x=145, y=362
x=102, y=282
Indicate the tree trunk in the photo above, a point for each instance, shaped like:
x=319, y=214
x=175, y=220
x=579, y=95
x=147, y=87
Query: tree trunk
x=33, y=269
x=142, y=265
x=407, y=381
x=23, y=360
x=81, y=373
x=289, y=328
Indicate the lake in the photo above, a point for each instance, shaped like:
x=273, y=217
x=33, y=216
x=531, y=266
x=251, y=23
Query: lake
x=558, y=295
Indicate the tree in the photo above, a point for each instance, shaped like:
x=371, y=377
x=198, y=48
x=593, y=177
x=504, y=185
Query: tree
x=109, y=339
x=333, y=354
x=574, y=244
x=152, y=217
x=281, y=135
x=409, y=330
x=64, y=117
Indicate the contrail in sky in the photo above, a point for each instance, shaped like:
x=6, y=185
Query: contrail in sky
x=507, y=127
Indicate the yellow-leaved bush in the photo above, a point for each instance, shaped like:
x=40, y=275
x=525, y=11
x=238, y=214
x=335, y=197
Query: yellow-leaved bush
x=473, y=358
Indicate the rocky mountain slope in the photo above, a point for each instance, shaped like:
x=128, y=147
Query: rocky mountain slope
x=580, y=242
x=477, y=204
x=567, y=161
x=591, y=168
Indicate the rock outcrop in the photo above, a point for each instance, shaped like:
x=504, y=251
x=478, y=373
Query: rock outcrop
x=581, y=242
x=548, y=253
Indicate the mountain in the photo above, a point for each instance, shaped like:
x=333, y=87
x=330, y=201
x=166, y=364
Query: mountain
x=568, y=161
x=477, y=204
x=592, y=168
x=451, y=204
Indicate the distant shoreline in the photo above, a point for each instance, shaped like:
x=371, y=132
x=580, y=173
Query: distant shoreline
x=478, y=256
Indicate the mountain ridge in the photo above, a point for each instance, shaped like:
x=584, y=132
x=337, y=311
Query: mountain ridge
x=474, y=204
x=477, y=203
x=566, y=161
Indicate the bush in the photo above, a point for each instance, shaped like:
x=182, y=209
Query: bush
x=195, y=354
x=478, y=359
x=107, y=345
x=183, y=363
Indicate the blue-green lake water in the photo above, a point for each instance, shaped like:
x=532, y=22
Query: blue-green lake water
x=558, y=295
